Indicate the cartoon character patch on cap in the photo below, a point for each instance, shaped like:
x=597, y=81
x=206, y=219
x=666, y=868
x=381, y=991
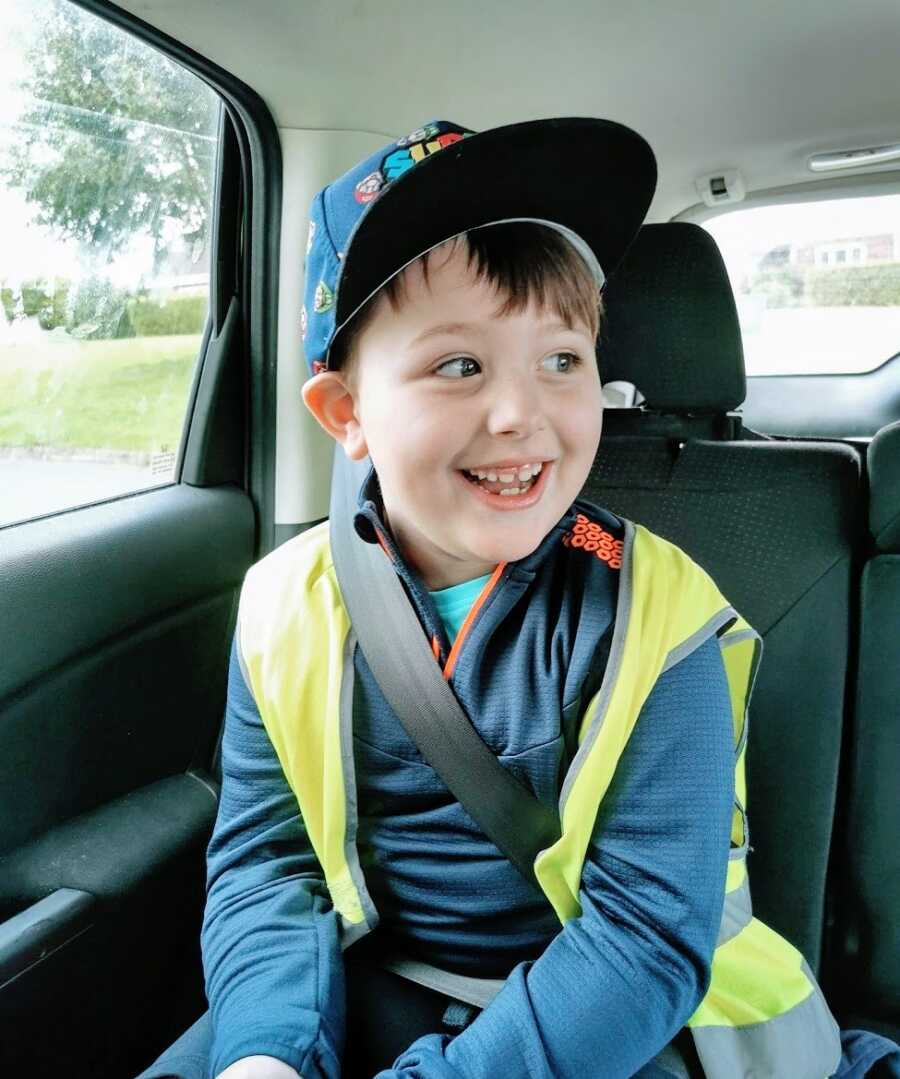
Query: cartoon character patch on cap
x=368, y=187
x=324, y=298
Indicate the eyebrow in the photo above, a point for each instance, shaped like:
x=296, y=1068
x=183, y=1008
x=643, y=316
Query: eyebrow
x=444, y=328
x=462, y=327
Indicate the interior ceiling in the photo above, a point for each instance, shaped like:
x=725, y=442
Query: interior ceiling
x=711, y=84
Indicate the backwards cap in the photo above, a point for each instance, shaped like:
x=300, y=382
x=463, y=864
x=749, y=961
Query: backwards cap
x=592, y=180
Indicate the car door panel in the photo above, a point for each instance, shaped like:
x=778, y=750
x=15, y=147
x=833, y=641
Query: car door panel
x=114, y=633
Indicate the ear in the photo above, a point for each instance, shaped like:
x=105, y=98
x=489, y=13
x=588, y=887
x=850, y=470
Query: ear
x=330, y=400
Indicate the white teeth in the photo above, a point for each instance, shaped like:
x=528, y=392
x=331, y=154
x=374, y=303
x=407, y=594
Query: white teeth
x=523, y=474
x=510, y=491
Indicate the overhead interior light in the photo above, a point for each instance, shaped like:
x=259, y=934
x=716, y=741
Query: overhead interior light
x=853, y=159
x=718, y=187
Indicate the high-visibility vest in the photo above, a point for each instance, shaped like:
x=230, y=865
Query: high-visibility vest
x=763, y=1014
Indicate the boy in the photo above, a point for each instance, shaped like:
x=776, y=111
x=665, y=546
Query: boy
x=452, y=312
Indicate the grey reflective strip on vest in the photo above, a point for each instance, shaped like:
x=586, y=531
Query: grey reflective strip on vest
x=738, y=635
x=719, y=619
x=351, y=932
x=724, y=642
x=804, y=1043
x=736, y=912
x=734, y=638
x=245, y=674
x=613, y=663
x=477, y=991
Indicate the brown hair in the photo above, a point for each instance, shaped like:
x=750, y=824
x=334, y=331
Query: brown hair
x=524, y=261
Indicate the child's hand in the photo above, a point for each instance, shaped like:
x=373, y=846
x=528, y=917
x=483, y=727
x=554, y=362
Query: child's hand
x=259, y=1067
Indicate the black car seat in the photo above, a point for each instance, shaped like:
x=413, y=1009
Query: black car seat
x=778, y=523
x=869, y=913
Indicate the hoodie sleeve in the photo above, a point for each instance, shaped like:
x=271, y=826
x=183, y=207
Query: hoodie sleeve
x=619, y=981
x=271, y=950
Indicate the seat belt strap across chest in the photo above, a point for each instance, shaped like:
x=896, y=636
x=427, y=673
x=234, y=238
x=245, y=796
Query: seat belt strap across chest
x=397, y=651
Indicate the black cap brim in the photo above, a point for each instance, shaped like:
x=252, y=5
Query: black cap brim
x=596, y=177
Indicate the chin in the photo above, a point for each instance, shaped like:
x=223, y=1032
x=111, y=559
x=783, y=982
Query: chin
x=507, y=549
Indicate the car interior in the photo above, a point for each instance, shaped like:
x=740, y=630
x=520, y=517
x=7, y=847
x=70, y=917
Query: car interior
x=750, y=354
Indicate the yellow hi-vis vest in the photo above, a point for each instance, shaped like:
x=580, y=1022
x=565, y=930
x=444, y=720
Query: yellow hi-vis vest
x=763, y=1014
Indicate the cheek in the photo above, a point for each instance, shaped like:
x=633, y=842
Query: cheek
x=410, y=443
x=583, y=423
x=426, y=436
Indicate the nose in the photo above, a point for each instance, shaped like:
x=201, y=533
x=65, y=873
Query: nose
x=515, y=409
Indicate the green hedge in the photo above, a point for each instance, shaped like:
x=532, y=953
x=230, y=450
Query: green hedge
x=183, y=314
x=855, y=286
x=844, y=286
x=94, y=309
x=46, y=300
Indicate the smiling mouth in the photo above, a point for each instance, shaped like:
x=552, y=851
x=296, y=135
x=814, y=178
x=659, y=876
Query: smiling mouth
x=505, y=482
x=499, y=487
x=500, y=494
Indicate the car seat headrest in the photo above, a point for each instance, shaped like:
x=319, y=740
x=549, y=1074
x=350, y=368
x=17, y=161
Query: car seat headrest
x=671, y=324
x=884, y=480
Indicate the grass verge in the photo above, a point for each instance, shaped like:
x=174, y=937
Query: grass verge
x=126, y=395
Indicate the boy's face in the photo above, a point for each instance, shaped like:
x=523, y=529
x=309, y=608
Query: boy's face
x=446, y=386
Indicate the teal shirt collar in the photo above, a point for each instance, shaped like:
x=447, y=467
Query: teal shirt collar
x=454, y=603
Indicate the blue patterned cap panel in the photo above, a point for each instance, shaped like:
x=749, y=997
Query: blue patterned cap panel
x=337, y=211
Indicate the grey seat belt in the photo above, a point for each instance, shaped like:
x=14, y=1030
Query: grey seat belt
x=397, y=651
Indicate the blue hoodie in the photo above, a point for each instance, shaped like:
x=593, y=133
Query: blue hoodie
x=613, y=985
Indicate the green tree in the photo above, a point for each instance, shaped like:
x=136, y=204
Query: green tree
x=115, y=139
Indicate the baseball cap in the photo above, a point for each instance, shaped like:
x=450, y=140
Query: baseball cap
x=590, y=179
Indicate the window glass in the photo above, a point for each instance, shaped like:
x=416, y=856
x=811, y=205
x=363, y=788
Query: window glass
x=107, y=156
x=817, y=284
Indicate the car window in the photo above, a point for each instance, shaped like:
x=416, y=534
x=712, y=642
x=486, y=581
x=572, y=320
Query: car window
x=817, y=284
x=107, y=157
